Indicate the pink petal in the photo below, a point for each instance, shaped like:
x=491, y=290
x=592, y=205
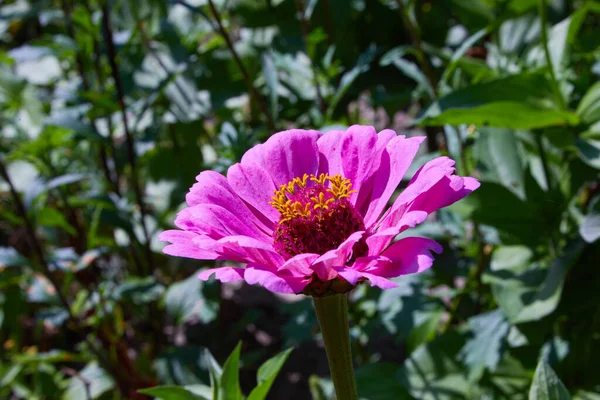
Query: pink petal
x=223, y=274
x=353, y=277
x=255, y=186
x=408, y=256
x=213, y=188
x=427, y=176
x=324, y=265
x=274, y=282
x=252, y=250
x=217, y=222
x=445, y=192
x=299, y=265
x=350, y=153
x=383, y=237
x=182, y=245
x=379, y=281
x=286, y=155
x=395, y=161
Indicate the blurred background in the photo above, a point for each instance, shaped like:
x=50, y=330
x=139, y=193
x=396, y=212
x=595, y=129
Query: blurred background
x=109, y=109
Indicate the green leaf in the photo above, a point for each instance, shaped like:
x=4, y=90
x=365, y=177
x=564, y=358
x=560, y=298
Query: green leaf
x=425, y=331
x=460, y=52
x=9, y=257
x=170, y=392
x=182, y=365
x=590, y=228
x=432, y=371
x=185, y=301
x=266, y=375
x=396, y=57
x=272, y=81
x=546, y=384
x=484, y=349
x=52, y=217
x=140, y=290
x=92, y=379
x=514, y=258
x=495, y=205
x=498, y=158
x=530, y=291
x=589, y=151
x=229, y=383
x=522, y=101
x=589, y=106
x=40, y=186
x=381, y=381
x=362, y=65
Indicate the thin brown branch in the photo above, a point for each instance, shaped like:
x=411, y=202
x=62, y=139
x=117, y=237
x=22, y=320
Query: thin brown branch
x=37, y=248
x=253, y=92
x=35, y=244
x=80, y=63
x=129, y=141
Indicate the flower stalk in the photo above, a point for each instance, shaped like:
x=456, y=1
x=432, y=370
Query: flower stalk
x=332, y=313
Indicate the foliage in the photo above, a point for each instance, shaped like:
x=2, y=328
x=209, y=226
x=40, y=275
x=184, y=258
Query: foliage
x=108, y=109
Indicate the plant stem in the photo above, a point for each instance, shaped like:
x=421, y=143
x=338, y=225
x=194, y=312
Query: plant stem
x=555, y=85
x=415, y=36
x=37, y=247
x=253, y=92
x=305, y=32
x=332, y=313
x=129, y=141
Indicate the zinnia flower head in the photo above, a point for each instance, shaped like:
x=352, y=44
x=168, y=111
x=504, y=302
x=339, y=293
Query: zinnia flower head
x=308, y=212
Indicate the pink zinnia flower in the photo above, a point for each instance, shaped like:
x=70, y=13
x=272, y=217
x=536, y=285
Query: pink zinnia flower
x=308, y=212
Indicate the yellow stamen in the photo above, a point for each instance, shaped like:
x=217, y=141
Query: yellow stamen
x=340, y=188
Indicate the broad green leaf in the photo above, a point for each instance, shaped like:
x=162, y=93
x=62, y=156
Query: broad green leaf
x=522, y=101
x=546, y=385
x=229, y=383
x=498, y=158
x=40, y=186
x=460, y=52
x=362, y=66
x=185, y=301
x=497, y=206
x=90, y=256
x=433, y=372
x=169, y=392
x=514, y=258
x=589, y=151
x=139, y=290
x=52, y=217
x=589, y=106
x=381, y=381
x=425, y=331
x=266, y=375
x=96, y=379
x=529, y=294
x=10, y=257
x=484, y=349
x=590, y=228
x=396, y=57
x=40, y=290
x=182, y=365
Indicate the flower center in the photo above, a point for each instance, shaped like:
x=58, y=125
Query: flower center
x=316, y=215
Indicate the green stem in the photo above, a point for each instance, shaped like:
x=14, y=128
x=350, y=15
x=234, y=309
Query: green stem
x=332, y=313
x=555, y=85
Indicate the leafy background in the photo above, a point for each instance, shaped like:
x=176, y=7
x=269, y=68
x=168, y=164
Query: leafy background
x=110, y=109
